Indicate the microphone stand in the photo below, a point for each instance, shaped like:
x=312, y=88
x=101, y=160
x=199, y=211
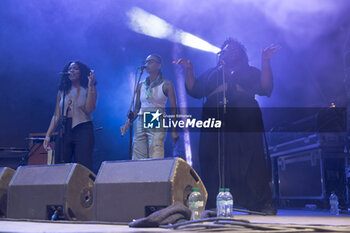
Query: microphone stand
x=127, y=118
x=63, y=119
x=224, y=101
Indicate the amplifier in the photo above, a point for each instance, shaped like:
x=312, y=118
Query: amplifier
x=311, y=176
x=12, y=157
x=37, y=154
x=307, y=169
x=308, y=142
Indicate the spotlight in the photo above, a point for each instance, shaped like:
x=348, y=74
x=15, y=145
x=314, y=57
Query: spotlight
x=148, y=24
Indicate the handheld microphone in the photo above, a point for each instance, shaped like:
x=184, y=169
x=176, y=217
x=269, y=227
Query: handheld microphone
x=98, y=128
x=142, y=67
x=222, y=50
x=64, y=73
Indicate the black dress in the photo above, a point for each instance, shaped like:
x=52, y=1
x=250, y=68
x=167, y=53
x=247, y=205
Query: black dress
x=241, y=155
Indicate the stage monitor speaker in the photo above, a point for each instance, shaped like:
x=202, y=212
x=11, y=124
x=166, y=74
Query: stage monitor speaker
x=127, y=190
x=62, y=192
x=6, y=175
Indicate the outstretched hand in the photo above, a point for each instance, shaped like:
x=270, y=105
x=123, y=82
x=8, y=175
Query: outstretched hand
x=184, y=62
x=269, y=51
x=91, y=78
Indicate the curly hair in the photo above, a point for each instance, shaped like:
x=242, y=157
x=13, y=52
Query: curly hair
x=240, y=46
x=66, y=84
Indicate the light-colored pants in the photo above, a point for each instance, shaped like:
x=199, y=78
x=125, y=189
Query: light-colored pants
x=147, y=143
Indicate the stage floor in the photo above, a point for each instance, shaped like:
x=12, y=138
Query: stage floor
x=285, y=221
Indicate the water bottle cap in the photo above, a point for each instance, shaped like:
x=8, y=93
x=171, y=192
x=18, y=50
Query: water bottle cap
x=195, y=189
x=221, y=189
x=227, y=189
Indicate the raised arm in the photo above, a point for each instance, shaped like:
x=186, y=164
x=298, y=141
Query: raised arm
x=190, y=79
x=91, y=99
x=54, y=121
x=266, y=72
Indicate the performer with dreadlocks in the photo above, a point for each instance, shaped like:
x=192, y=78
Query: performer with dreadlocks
x=151, y=94
x=235, y=158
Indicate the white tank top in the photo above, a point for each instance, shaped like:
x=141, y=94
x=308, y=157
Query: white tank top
x=156, y=101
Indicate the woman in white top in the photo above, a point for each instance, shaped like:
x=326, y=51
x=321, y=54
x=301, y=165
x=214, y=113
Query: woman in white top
x=151, y=95
x=78, y=86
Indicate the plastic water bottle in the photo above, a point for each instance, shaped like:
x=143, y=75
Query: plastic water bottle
x=196, y=204
x=220, y=203
x=333, y=203
x=229, y=203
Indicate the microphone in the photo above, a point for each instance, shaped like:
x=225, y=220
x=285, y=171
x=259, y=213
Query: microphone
x=98, y=128
x=222, y=50
x=64, y=73
x=142, y=67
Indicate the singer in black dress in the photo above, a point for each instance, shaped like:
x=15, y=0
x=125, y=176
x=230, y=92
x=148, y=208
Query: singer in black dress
x=235, y=158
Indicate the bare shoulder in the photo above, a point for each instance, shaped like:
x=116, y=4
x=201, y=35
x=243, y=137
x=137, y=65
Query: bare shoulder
x=167, y=84
x=59, y=93
x=167, y=87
